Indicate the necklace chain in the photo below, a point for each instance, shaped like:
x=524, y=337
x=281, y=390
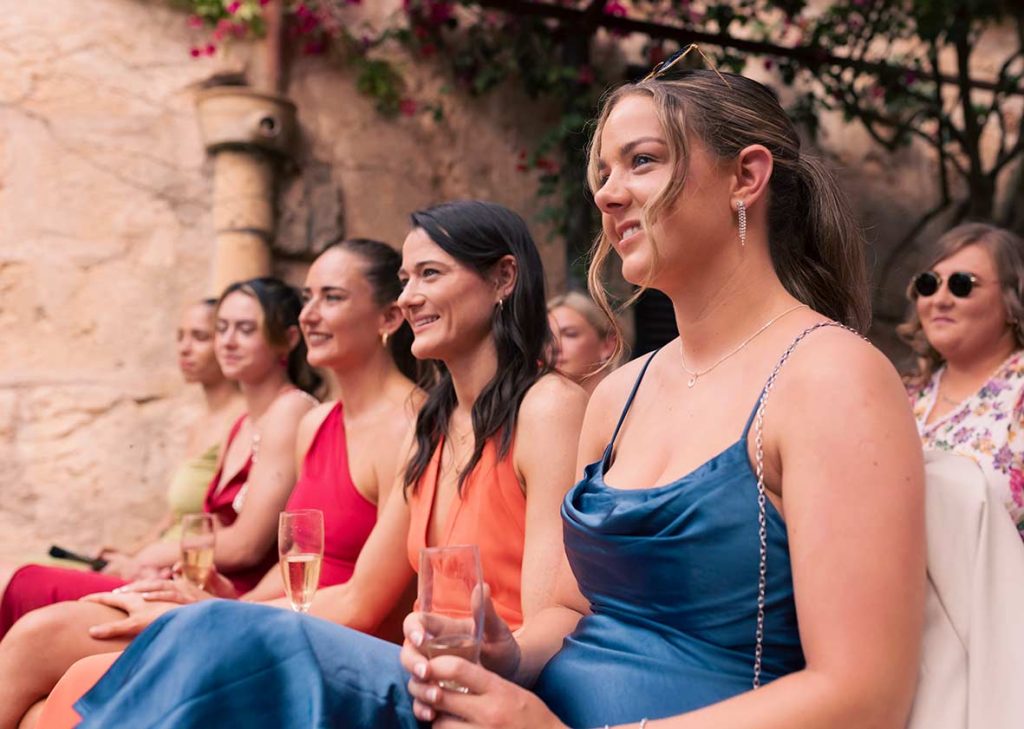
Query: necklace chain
x=697, y=374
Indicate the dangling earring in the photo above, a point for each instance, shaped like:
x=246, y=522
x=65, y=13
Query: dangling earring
x=384, y=339
x=501, y=302
x=741, y=211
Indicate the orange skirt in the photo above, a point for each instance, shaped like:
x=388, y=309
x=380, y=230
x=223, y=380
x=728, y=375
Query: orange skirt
x=73, y=685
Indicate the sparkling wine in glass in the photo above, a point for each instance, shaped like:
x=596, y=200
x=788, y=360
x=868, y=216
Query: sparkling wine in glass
x=300, y=544
x=197, y=542
x=451, y=604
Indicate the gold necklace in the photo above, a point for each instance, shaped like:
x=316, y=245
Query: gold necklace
x=696, y=374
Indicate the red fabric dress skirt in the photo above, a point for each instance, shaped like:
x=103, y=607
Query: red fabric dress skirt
x=35, y=586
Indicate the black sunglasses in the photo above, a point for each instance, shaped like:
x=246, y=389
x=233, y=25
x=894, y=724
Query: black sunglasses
x=960, y=283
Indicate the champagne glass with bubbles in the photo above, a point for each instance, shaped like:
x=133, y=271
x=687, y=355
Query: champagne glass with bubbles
x=197, y=541
x=300, y=544
x=451, y=603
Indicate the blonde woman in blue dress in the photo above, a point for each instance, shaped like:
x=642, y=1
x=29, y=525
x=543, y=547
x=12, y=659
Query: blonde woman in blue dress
x=746, y=546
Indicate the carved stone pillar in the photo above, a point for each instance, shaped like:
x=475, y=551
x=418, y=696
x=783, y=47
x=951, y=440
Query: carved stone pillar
x=248, y=133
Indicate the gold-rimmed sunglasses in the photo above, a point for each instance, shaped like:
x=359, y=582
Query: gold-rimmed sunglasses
x=662, y=68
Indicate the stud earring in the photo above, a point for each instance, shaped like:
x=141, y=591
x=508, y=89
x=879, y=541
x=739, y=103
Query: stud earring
x=741, y=212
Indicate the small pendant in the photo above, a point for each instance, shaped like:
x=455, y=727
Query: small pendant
x=692, y=381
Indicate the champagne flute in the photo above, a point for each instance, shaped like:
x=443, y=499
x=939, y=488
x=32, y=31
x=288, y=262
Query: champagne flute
x=197, y=542
x=300, y=544
x=450, y=602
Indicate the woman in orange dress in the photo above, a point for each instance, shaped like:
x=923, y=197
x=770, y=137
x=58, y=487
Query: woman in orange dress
x=491, y=457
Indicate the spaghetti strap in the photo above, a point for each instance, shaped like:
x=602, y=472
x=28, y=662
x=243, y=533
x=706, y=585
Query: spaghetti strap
x=629, y=403
x=778, y=366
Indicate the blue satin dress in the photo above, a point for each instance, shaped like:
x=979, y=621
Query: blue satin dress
x=670, y=572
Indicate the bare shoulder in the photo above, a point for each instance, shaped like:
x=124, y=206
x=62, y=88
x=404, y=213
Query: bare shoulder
x=610, y=395
x=314, y=418
x=835, y=369
x=287, y=411
x=553, y=396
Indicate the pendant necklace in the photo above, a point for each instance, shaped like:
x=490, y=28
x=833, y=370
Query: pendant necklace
x=697, y=374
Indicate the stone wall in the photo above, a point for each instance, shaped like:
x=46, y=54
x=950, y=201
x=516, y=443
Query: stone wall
x=105, y=231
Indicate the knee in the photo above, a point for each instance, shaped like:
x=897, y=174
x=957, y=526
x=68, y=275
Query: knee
x=40, y=627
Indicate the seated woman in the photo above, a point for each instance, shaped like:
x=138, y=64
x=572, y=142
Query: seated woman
x=966, y=326
x=346, y=450
x=586, y=339
x=258, y=345
x=189, y=482
x=490, y=462
x=790, y=562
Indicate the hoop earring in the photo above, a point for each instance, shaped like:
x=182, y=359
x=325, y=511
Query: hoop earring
x=384, y=339
x=741, y=212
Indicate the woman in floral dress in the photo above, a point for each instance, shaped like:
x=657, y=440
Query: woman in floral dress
x=967, y=328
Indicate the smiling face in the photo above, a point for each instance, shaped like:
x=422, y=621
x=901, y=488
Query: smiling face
x=975, y=325
x=449, y=306
x=579, y=347
x=242, y=350
x=340, y=320
x=196, y=358
x=634, y=166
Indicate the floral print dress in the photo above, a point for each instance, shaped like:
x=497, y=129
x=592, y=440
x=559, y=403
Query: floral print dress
x=988, y=427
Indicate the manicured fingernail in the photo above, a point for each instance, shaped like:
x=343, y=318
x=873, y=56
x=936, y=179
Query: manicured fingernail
x=421, y=670
x=432, y=695
x=416, y=638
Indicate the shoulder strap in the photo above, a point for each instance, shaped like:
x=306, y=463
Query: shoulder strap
x=762, y=398
x=629, y=401
x=762, y=522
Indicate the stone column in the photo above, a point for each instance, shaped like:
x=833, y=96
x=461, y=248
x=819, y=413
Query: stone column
x=248, y=133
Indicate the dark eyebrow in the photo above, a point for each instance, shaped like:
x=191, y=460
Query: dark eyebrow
x=420, y=264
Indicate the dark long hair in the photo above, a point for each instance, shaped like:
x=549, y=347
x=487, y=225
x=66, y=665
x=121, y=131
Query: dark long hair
x=816, y=246
x=281, y=305
x=381, y=271
x=478, y=235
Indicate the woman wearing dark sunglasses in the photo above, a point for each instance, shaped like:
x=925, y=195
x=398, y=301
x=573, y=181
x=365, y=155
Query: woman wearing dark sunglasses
x=966, y=326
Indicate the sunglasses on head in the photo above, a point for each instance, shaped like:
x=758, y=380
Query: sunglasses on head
x=960, y=283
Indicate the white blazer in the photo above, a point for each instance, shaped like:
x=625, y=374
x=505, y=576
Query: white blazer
x=972, y=664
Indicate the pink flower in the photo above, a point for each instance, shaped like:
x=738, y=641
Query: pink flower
x=264, y=3
x=407, y=107
x=234, y=6
x=1017, y=486
x=194, y=21
x=210, y=49
x=615, y=8
x=194, y=52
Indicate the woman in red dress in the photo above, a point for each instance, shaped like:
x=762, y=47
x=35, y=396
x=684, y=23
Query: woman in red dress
x=346, y=457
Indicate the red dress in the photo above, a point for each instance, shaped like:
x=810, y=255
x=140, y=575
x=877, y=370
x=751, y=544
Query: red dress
x=326, y=484
x=36, y=586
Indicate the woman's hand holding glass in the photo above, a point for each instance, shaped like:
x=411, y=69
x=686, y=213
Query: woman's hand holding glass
x=450, y=684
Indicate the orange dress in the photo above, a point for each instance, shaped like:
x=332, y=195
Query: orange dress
x=491, y=513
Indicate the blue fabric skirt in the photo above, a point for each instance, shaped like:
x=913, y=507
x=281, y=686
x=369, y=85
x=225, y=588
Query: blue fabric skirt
x=233, y=664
